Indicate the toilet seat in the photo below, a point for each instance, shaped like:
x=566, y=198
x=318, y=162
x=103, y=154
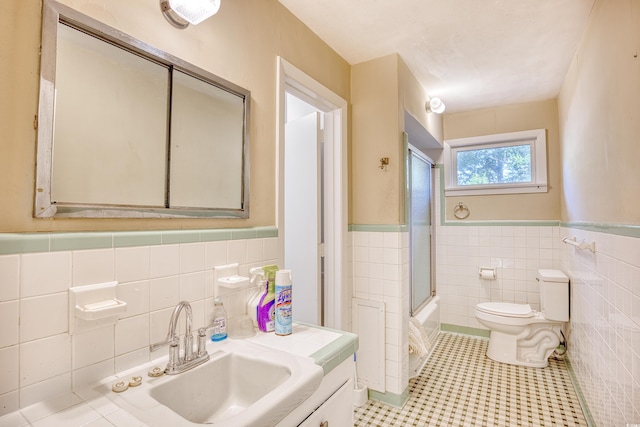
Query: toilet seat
x=506, y=309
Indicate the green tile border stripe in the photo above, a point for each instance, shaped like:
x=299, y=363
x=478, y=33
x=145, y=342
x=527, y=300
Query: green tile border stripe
x=617, y=229
x=583, y=402
x=21, y=243
x=541, y=223
x=24, y=243
x=445, y=327
x=336, y=352
x=379, y=228
x=396, y=400
x=79, y=241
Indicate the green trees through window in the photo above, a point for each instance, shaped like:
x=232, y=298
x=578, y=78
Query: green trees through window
x=496, y=165
x=505, y=163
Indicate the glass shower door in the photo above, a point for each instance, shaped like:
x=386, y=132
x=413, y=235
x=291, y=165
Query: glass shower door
x=419, y=187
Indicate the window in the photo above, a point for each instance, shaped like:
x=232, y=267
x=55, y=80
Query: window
x=496, y=164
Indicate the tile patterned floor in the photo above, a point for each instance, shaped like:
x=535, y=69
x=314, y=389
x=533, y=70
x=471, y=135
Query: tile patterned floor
x=460, y=386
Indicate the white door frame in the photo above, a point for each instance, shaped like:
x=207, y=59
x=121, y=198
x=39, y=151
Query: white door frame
x=337, y=299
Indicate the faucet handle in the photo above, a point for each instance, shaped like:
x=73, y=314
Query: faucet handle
x=159, y=344
x=170, y=340
x=188, y=347
x=174, y=353
x=202, y=342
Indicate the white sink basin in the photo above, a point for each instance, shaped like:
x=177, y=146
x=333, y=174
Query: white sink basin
x=244, y=384
x=221, y=389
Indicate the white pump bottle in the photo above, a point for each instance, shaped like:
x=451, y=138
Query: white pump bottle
x=258, y=280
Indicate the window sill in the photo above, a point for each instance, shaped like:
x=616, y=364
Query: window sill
x=498, y=189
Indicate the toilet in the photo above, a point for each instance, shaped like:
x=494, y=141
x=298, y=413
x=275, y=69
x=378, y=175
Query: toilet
x=522, y=336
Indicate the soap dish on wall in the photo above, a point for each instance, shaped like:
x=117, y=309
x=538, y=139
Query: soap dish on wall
x=100, y=310
x=226, y=280
x=93, y=306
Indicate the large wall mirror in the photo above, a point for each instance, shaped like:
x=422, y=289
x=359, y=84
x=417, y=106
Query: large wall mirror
x=126, y=130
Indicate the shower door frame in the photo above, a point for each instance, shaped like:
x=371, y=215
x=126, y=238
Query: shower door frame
x=409, y=149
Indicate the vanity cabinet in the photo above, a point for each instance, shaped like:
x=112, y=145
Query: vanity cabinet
x=332, y=402
x=334, y=412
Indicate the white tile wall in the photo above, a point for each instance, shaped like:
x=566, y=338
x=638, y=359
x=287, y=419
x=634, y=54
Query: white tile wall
x=517, y=253
x=164, y=292
x=192, y=286
x=39, y=359
x=44, y=273
x=237, y=250
x=42, y=390
x=38, y=320
x=216, y=253
x=132, y=334
x=132, y=359
x=165, y=261
x=604, y=340
x=9, y=320
x=45, y=358
x=380, y=273
x=8, y=369
x=605, y=324
x=9, y=277
x=132, y=264
x=192, y=258
x=93, y=346
x=136, y=295
x=92, y=266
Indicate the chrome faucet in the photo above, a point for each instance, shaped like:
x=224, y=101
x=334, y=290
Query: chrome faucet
x=190, y=359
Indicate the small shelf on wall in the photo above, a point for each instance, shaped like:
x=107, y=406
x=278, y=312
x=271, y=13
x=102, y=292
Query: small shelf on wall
x=100, y=310
x=94, y=306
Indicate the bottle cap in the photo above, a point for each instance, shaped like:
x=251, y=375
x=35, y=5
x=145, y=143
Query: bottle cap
x=257, y=275
x=283, y=277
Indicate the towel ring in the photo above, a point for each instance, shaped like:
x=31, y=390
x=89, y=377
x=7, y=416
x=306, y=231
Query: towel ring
x=461, y=211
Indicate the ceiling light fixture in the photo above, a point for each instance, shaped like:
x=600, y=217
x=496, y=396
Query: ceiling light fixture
x=181, y=13
x=435, y=105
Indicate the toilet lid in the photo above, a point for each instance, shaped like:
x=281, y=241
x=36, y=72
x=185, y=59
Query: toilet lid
x=506, y=309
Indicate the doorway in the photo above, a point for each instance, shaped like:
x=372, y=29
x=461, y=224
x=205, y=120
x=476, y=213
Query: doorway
x=303, y=207
x=321, y=293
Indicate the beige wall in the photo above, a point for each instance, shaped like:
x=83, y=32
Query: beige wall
x=241, y=44
x=381, y=90
x=599, y=109
x=375, y=194
x=413, y=98
x=512, y=118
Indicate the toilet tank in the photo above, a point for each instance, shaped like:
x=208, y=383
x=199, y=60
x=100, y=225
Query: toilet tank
x=554, y=295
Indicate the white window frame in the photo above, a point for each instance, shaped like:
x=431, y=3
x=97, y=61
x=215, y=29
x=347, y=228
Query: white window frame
x=537, y=138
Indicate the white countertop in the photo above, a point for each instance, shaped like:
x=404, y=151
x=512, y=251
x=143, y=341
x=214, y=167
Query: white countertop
x=87, y=408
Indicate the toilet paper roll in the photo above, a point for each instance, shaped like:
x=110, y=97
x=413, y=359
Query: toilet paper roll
x=487, y=274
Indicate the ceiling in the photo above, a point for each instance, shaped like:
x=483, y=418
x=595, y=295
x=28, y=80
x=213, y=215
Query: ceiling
x=471, y=53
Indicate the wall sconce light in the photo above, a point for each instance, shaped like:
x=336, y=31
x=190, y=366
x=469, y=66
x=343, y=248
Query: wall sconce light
x=435, y=105
x=384, y=162
x=181, y=13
